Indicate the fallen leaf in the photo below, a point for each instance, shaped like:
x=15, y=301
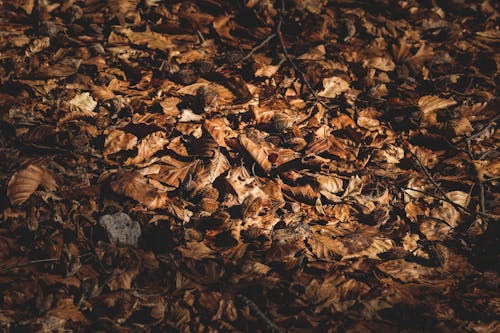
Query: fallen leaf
x=333, y=87
x=118, y=140
x=258, y=153
x=24, y=182
x=148, y=146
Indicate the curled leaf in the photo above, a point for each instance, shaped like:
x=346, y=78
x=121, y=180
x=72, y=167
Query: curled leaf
x=24, y=182
x=258, y=153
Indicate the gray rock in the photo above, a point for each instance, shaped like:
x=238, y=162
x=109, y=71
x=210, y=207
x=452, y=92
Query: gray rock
x=121, y=229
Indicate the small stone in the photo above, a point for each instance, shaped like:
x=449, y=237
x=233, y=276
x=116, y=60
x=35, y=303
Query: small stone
x=121, y=229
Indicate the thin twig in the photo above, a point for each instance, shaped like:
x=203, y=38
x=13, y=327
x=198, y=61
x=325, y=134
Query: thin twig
x=295, y=67
x=200, y=35
x=35, y=262
x=446, y=199
x=443, y=194
x=269, y=323
x=259, y=46
x=28, y=263
x=484, y=129
x=424, y=169
x=478, y=181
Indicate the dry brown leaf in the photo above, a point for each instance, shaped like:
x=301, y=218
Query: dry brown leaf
x=487, y=169
x=102, y=93
x=242, y=184
x=122, y=279
x=83, y=103
x=359, y=245
x=148, y=146
x=407, y=271
x=224, y=94
x=305, y=193
x=208, y=173
x=152, y=40
x=216, y=127
x=333, y=87
x=330, y=184
x=24, y=182
x=259, y=154
x=381, y=63
x=430, y=104
x=315, y=54
x=26, y=5
x=435, y=229
x=174, y=175
x=68, y=310
x=134, y=185
x=196, y=250
x=169, y=106
x=118, y=140
x=80, y=106
x=267, y=71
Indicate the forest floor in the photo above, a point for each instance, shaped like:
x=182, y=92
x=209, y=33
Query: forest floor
x=249, y=166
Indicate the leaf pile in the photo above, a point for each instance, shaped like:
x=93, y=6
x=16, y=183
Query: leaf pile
x=299, y=166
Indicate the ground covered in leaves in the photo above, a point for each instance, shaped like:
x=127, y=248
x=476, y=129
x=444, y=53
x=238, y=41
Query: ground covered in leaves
x=249, y=166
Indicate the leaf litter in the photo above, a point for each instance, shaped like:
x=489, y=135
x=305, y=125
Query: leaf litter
x=298, y=166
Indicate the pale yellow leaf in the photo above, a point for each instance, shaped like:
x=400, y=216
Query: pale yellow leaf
x=333, y=87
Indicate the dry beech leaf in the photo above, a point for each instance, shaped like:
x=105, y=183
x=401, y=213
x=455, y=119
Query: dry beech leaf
x=196, y=250
x=430, y=104
x=118, y=140
x=304, y=193
x=224, y=94
x=169, y=106
x=102, y=93
x=407, y=271
x=122, y=279
x=26, y=5
x=317, y=53
x=24, y=182
x=258, y=153
x=134, y=185
x=66, y=309
x=175, y=175
x=243, y=184
x=380, y=63
x=435, y=229
x=267, y=71
x=148, y=146
x=333, y=87
x=152, y=40
x=207, y=174
x=217, y=129
x=359, y=245
x=487, y=169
